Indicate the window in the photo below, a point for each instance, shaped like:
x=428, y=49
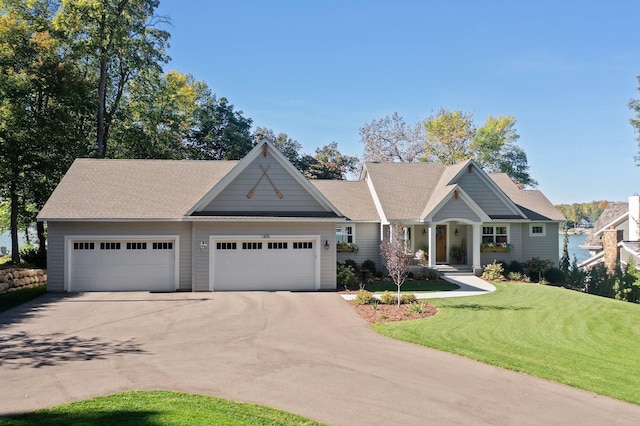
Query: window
x=344, y=234
x=226, y=246
x=251, y=246
x=136, y=246
x=162, y=246
x=277, y=246
x=83, y=246
x=109, y=246
x=303, y=245
x=495, y=234
x=537, y=230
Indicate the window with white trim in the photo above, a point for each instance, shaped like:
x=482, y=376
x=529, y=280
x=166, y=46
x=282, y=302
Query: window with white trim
x=537, y=230
x=226, y=246
x=302, y=245
x=136, y=246
x=109, y=246
x=83, y=246
x=163, y=246
x=344, y=234
x=495, y=234
x=251, y=246
x=277, y=246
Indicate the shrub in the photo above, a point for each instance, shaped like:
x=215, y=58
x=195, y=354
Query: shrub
x=388, y=298
x=493, y=271
x=515, y=276
x=32, y=256
x=536, y=267
x=555, y=276
x=353, y=264
x=408, y=298
x=431, y=274
x=363, y=297
x=515, y=266
x=417, y=308
x=346, y=276
x=369, y=265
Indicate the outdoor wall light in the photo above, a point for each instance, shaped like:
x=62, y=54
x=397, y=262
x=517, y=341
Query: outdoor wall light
x=456, y=232
x=203, y=245
x=326, y=244
x=424, y=231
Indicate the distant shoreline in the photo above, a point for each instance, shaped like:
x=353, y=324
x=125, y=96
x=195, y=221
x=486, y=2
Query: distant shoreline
x=577, y=231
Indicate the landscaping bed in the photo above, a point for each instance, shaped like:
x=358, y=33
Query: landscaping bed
x=391, y=313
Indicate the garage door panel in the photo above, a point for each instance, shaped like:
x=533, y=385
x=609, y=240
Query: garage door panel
x=112, y=266
x=281, y=267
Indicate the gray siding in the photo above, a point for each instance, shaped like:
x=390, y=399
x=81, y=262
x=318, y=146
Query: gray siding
x=56, y=232
x=295, y=197
x=367, y=237
x=202, y=231
x=457, y=209
x=483, y=195
x=546, y=247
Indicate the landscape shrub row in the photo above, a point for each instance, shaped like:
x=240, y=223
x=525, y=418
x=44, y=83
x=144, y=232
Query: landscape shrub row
x=622, y=284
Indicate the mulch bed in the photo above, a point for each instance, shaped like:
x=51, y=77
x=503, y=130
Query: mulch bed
x=391, y=313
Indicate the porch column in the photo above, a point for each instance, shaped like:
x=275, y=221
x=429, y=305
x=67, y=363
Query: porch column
x=432, y=245
x=476, y=241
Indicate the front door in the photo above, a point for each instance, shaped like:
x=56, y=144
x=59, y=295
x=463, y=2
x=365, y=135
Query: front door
x=441, y=244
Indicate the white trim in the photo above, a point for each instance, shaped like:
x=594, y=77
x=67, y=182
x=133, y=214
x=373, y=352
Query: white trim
x=69, y=239
x=374, y=196
x=475, y=208
x=536, y=225
x=353, y=230
x=264, y=238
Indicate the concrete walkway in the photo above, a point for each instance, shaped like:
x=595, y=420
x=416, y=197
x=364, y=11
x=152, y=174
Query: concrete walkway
x=470, y=285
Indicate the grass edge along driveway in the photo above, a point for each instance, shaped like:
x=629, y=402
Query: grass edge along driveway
x=581, y=340
x=157, y=407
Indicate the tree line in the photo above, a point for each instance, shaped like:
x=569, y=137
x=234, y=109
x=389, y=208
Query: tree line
x=85, y=78
x=577, y=211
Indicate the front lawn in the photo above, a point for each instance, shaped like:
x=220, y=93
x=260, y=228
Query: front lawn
x=157, y=408
x=411, y=286
x=18, y=297
x=585, y=341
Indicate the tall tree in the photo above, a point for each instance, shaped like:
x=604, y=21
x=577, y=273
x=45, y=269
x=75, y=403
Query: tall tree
x=449, y=137
x=634, y=104
x=330, y=163
x=391, y=139
x=219, y=132
x=117, y=40
x=42, y=100
x=289, y=147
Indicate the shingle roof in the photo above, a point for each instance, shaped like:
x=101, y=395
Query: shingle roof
x=352, y=198
x=132, y=189
x=533, y=203
x=404, y=188
x=612, y=213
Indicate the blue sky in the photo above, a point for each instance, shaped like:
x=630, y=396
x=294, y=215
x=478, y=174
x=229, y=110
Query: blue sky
x=319, y=70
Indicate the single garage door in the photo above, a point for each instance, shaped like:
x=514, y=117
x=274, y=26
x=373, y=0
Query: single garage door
x=122, y=265
x=265, y=264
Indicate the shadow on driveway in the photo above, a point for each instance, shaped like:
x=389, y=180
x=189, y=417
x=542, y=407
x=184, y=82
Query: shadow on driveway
x=22, y=349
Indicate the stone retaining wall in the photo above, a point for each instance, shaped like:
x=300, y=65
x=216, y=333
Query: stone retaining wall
x=12, y=279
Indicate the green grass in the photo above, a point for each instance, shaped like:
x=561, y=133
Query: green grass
x=15, y=298
x=581, y=340
x=157, y=408
x=412, y=286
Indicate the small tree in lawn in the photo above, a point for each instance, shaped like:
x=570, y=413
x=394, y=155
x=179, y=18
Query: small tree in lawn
x=565, y=263
x=395, y=254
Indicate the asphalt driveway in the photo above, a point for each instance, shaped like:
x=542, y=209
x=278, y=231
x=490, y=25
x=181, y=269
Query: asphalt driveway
x=308, y=353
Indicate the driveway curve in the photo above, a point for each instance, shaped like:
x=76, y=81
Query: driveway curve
x=308, y=353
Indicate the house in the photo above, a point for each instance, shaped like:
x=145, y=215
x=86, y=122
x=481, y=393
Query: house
x=615, y=237
x=259, y=224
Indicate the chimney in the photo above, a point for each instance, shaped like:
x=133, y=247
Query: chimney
x=611, y=251
x=634, y=218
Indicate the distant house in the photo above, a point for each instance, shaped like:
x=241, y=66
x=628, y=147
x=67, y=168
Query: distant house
x=259, y=224
x=615, y=236
x=585, y=223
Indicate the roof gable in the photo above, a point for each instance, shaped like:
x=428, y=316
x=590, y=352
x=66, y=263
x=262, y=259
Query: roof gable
x=485, y=192
x=264, y=183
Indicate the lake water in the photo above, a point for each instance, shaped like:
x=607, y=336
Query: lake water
x=573, y=247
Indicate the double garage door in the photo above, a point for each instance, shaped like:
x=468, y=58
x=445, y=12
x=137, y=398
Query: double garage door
x=122, y=265
x=275, y=263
